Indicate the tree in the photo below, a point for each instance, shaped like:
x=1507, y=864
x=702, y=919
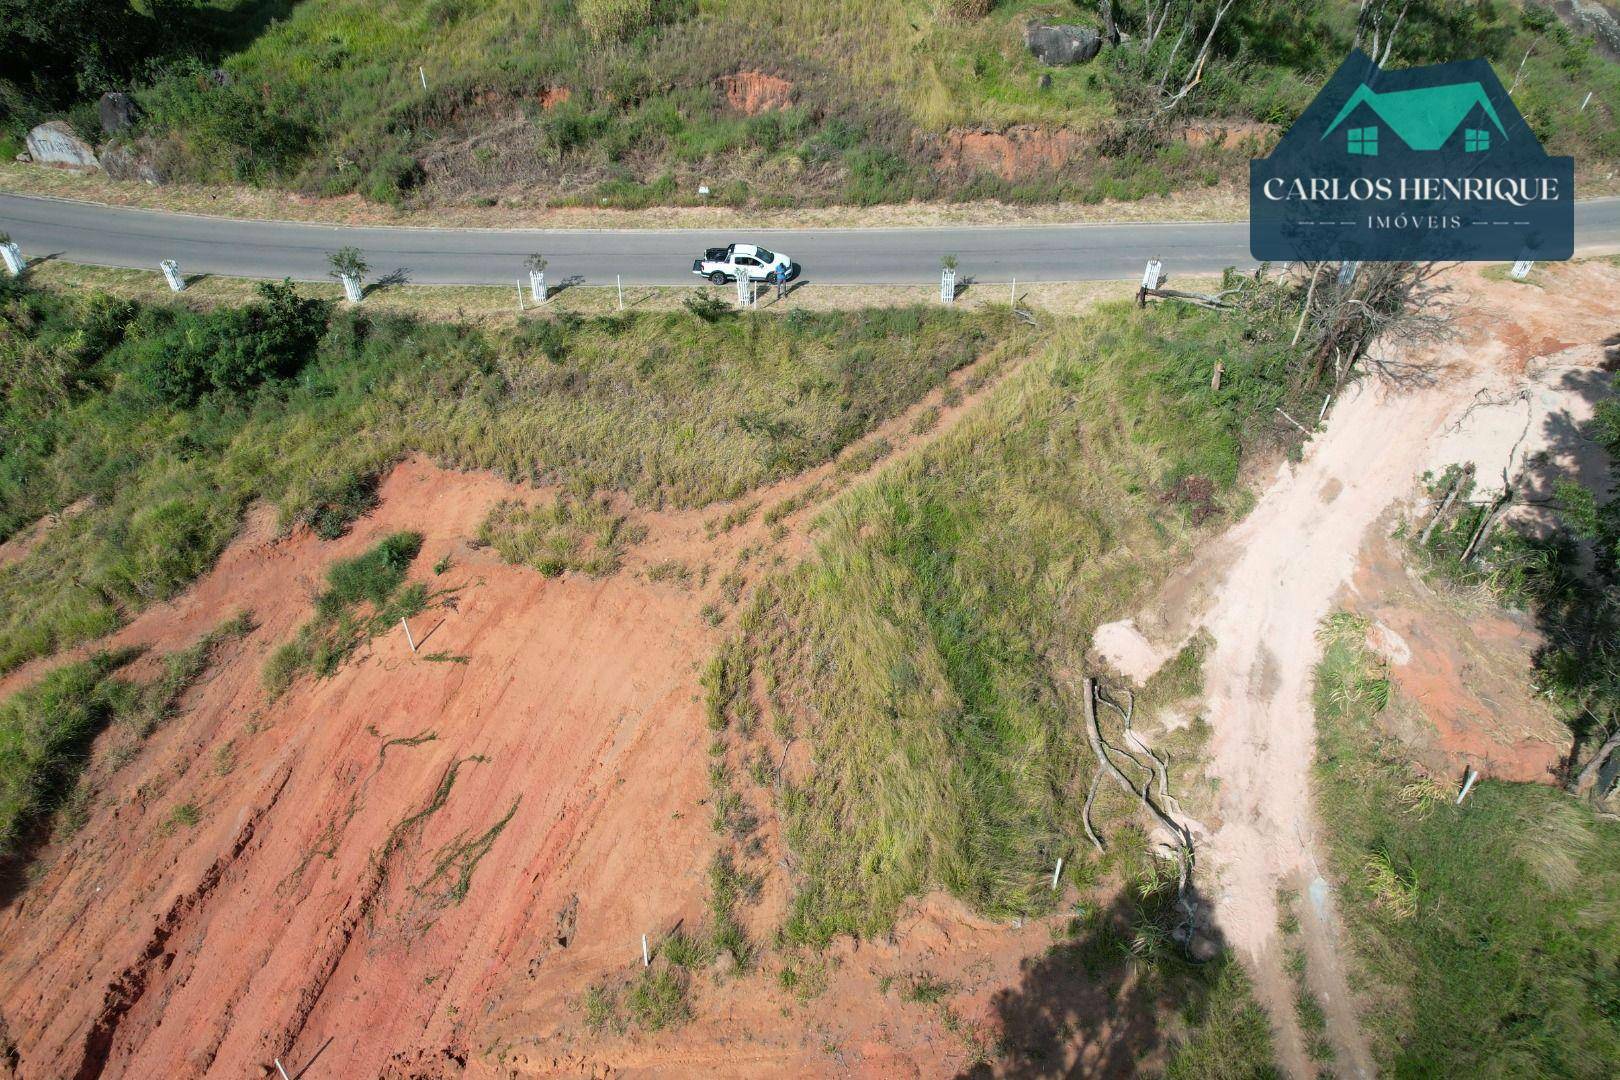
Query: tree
x=61, y=51
x=347, y=262
x=1580, y=666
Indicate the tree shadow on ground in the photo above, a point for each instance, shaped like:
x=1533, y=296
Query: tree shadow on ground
x=400, y=276
x=1566, y=580
x=1096, y=1002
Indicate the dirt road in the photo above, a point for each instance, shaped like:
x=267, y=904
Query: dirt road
x=1273, y=578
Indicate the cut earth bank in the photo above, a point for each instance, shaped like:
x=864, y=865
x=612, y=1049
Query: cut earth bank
x=272, y=929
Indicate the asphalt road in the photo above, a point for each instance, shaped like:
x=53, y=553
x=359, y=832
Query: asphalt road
x=117, y=236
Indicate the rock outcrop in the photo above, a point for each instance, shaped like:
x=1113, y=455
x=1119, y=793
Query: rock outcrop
x=1062, y=45
x=56, y=143
x=117, y=111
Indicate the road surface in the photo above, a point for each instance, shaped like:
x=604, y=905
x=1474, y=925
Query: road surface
x=119, y=236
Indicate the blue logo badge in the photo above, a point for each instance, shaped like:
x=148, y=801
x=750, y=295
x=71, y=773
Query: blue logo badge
x=1428, y=163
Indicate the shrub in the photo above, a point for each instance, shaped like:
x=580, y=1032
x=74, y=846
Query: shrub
x=616, y=20
x=963, y=10
x=708, y=307
x=45, y=736
x=336, y=507
x=231, y=350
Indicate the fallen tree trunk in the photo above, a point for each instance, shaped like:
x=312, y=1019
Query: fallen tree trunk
x=1588, y=775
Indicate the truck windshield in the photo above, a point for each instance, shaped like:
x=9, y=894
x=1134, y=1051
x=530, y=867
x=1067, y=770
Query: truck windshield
x=764, y=255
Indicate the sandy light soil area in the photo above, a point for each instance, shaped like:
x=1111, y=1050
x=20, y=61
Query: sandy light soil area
x=1523, y=371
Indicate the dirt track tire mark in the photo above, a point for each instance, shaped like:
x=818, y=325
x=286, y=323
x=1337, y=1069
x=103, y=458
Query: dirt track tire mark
x=125, y=991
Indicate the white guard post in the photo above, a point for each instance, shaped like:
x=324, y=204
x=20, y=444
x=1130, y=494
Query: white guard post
x=13, y=258
x=745, y=289
x=351, y=288
x=947, y=285
x=171, y=274
x=537, y=285
x=1521, y=269
x=1153, y=274
x=1347, y=273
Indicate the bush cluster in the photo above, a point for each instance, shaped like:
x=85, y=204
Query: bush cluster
x=233, y=350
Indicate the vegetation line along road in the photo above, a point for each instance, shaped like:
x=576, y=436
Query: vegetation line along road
x=115, y=236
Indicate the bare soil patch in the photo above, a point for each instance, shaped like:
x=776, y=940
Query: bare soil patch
x=754, y=92
x=419, y=866
x=1279, y=573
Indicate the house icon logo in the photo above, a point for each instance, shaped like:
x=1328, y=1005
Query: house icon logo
x=1426, y=118
x=1424, y=163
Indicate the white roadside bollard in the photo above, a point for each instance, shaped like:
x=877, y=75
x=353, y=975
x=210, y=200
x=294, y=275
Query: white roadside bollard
x=947, y=285
x=537, y=286
x=352, y=291
x=1468, y=784
x=1153, y=275
x=1521, y=269
x=13, y=258
x=171, y=274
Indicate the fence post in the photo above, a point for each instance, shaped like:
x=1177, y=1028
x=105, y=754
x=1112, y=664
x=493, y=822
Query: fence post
x=1468, y=785
x=13, y=258
x=620, y=279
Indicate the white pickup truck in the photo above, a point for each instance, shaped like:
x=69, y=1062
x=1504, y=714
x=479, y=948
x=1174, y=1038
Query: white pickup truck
x=721, y=265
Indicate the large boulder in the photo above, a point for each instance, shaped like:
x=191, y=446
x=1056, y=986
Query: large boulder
x=137, y=161
x=117, y=111
x=1062, y=45
x=56, y=143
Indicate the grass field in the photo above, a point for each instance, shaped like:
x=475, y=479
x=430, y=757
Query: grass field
x=1487, y=931
x=930, y=651
x=931, y=648
x=112, y=401
x=623, y=102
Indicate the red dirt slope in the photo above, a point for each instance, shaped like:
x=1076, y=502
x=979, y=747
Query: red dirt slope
x=286, y=920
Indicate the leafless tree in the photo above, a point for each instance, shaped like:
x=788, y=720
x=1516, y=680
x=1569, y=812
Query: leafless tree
x=1376, y=31
x=1404, y=302
x=1195, y=74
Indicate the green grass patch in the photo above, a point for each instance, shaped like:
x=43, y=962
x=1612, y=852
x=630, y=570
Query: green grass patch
x=565, y=535
x=656, y=999
x=929, y=647
x=47, y=730
x=1487, y=930
x=364, y=596
x=666, y=407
